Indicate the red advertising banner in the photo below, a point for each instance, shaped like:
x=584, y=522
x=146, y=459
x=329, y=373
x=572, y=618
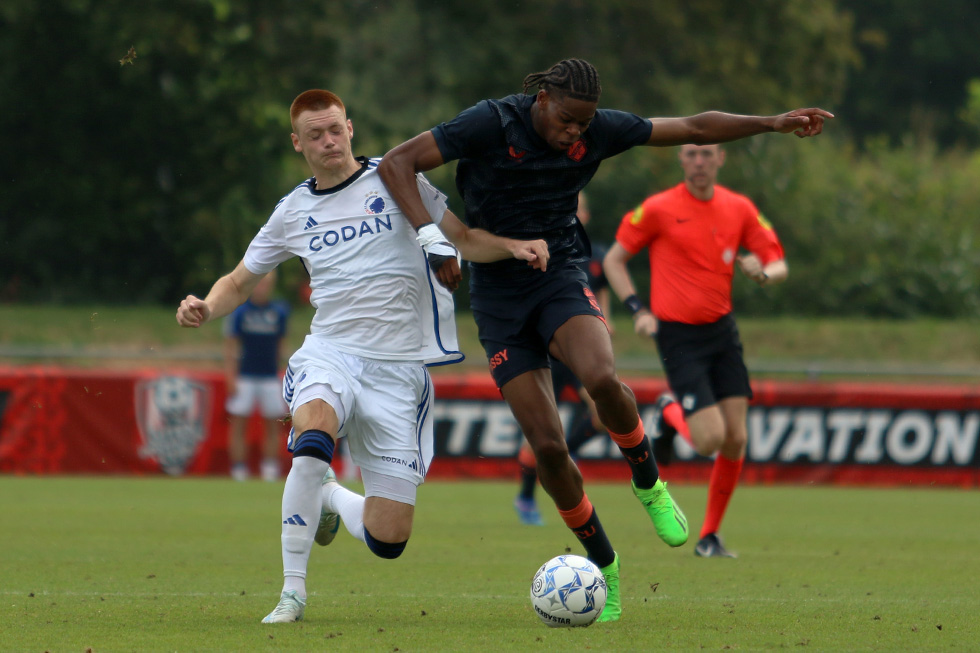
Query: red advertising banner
x=58, y=421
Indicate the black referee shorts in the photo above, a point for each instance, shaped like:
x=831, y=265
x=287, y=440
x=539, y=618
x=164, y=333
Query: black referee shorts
x=704, y=362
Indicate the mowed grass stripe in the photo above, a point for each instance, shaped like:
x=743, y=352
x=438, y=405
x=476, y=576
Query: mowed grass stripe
x=193, y=564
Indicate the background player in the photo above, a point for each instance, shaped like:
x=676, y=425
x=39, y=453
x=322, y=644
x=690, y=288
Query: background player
x=522, y=161
x=254, y=334
x=694, y=232
x=360, y=372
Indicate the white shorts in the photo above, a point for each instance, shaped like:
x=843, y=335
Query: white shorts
x=384, y=407
x=262, y=392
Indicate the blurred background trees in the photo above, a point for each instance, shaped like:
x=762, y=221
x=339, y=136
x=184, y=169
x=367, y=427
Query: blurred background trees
x=139, y=182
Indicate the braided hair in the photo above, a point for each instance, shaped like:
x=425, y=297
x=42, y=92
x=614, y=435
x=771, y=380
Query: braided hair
x=574, y=78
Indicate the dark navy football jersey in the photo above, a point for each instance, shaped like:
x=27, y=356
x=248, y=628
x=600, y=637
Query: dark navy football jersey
x=260, y=328
x=513, y=184
x=593, y=268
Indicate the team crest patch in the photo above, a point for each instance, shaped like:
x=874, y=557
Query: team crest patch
x=577, y=151
x=171, y=413
x=374, y=204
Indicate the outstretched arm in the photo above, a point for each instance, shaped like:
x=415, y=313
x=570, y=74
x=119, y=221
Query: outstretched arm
x=718, y=127
x=398, y=169
x=482, y=246
x=226, y=295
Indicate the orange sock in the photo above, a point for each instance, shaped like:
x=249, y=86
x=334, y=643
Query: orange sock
x=724, y=478
x=584, y=522
x=578, y=515
x=631, y=439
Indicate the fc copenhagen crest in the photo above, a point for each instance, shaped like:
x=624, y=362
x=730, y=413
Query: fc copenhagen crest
x=374, y=204
x=171, y=413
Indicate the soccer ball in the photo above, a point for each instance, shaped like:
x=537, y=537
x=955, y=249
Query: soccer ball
x=568, y=591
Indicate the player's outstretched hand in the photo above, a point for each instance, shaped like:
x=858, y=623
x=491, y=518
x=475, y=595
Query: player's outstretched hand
x=802, y=122
x=535, y=252
x=442, y=255
x=193, y=312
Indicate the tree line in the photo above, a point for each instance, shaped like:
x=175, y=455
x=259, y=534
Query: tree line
x=138, y=175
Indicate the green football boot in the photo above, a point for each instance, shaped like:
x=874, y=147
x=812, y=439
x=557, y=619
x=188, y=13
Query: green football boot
x=667, y=516
x=614, y=607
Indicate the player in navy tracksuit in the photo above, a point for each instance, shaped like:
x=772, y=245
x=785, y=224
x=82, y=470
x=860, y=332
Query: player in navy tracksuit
x=522, y=161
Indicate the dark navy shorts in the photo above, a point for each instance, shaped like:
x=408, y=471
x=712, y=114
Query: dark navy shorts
x=516, y=324
x=703, y=362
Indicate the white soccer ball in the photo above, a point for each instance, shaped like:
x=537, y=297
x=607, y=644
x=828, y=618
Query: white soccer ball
x=568, y=591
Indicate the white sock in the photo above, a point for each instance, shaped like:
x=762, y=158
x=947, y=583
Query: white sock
x=295, y=583
x=347, y=504
x=301, y=501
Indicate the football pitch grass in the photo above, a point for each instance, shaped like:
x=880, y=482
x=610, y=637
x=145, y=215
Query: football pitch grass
x=161, y=564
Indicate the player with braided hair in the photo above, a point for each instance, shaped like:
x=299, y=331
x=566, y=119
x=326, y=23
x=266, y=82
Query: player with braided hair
x=522, y=161
x=578, y=80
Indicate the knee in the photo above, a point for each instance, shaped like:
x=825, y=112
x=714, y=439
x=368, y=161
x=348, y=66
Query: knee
x=605, y=387
x=387, y=550
x=550, y=450
x=736, y=439
x=708, y=442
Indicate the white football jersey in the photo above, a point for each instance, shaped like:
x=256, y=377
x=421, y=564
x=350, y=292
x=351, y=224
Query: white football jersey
x=371, y=287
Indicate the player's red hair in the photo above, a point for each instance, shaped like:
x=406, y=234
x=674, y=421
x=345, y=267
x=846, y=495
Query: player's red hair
x=314, y=100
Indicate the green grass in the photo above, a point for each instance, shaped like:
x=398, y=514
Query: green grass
x=152, y=330
x=154, y=564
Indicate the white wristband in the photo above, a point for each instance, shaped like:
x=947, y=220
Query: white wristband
x=430, y=235
x=434, y=244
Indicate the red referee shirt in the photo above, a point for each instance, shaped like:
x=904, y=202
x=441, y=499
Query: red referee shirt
x=693, y=245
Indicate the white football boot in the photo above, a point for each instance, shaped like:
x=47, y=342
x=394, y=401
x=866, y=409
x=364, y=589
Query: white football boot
x=290, y=609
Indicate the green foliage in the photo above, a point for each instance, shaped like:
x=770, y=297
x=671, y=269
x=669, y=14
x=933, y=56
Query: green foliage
x=971, y=112
x=884, y=232
x=916, y=59
x=142, y=182
x=888, y=232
